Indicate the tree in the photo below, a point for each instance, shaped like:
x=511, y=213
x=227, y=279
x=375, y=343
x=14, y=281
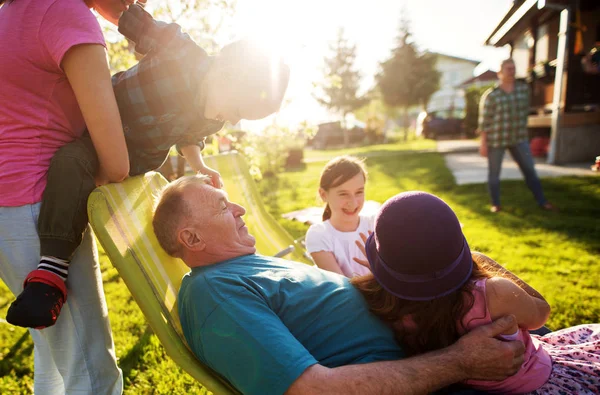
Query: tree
x=376, y=114
x=472, y=99
x=408, y=78
x=338, y=91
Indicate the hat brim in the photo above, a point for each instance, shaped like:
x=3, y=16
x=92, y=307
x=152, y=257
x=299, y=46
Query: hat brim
x=421, y=287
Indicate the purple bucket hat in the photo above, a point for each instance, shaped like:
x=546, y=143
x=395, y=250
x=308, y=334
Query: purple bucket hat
x=418, y=250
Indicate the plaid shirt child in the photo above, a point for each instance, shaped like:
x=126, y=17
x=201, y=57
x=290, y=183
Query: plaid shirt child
x=504, y=115
x=158, y=98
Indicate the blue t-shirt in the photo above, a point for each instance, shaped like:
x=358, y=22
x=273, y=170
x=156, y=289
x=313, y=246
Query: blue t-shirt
x=261, y=321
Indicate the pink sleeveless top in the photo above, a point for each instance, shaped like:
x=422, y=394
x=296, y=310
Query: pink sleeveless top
x=537, y=366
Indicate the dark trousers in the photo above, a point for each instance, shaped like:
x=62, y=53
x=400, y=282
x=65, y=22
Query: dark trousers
x=63, y=213
x=522, y=155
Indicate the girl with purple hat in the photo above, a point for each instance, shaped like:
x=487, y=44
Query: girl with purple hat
x=431, y=289
x=337, y=243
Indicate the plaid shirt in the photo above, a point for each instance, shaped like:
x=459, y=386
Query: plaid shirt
x=158, y=98
x=504, y=115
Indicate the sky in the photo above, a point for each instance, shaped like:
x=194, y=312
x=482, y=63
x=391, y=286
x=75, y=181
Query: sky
x=304, y=29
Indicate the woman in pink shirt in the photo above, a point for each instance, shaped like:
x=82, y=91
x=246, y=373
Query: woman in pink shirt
x=426, y=283
x=55, y=81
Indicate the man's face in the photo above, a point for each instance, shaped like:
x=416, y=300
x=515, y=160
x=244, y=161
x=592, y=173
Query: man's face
x=507, y=72
x=218, y=221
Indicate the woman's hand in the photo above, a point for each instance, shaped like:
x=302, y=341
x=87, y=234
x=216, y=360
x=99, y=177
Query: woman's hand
x=361, y=245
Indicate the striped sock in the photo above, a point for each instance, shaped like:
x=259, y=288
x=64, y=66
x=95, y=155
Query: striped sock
x=58, y=266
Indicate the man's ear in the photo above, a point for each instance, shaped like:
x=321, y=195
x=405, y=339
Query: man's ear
x=191, y=240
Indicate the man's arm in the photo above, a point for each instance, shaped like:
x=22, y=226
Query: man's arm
x=486, y=108
x=424, y=373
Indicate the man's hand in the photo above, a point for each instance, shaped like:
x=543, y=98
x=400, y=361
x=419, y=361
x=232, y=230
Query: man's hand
x=485, y=358
x=483, y=148
x=214, y=175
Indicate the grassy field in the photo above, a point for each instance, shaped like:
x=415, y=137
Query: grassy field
x=557, y=253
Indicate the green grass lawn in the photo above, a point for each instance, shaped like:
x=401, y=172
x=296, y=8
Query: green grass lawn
x=557, y=253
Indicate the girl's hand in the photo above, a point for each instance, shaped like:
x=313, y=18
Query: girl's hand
x=361, y=244
x=214, y=175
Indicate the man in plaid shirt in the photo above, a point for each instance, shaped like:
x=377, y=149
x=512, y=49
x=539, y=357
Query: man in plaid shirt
x=503, y=123
x=176, y=95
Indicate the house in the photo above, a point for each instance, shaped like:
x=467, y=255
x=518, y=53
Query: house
x=484, y=79
x=454, y=70
x=548, y=40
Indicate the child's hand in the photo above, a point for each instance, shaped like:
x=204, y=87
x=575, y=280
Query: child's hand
x=361, y=244
x=214, y=175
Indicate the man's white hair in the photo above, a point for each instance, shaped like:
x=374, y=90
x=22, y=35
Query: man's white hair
x=171, y=212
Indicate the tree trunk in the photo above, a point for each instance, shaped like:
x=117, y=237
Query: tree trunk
x=345, y=132
x=405, y=122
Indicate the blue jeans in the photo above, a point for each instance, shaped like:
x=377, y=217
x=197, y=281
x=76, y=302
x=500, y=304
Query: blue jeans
x=76, y=355
x=522, y=156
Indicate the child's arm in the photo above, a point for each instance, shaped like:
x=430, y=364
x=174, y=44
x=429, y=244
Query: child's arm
x=500, y=271
x=504, y=297
x=326, y=260
x=193, y=155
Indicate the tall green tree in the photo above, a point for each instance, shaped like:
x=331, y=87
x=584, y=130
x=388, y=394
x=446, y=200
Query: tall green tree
x=408, y=78
x=338, y=90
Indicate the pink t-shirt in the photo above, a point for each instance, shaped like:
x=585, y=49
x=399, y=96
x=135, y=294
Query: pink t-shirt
x=38, y=110
x=537, y=367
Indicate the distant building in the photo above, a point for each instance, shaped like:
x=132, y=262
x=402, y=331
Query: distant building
x=548, y=40
x=455, y=70
x=486, y=78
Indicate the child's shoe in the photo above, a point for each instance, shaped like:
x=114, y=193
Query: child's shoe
x=39, y=305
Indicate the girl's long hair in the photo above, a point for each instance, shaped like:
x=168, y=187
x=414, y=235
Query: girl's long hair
x=437, y=320
x=336, y=172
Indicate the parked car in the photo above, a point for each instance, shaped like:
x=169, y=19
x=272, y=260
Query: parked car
x=332, y=134
x=434, y=124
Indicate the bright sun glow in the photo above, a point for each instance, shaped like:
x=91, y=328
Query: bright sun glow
x=302, y=31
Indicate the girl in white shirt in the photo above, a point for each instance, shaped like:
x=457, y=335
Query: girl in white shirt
x=337, y=244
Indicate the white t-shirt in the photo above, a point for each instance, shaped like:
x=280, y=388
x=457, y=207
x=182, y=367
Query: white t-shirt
x=324, y=237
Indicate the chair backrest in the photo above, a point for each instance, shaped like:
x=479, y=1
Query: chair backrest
x=121, y=217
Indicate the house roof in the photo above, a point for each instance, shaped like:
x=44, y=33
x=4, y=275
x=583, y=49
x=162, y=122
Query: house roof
x=443, y=55
x=515, y=5
x=517, y=19
x=486, y=76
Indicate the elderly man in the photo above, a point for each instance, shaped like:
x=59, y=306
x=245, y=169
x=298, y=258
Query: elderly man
x=274, y=326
